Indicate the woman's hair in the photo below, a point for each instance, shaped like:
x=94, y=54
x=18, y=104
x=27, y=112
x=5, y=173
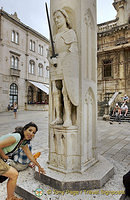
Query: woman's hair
x=20, y=129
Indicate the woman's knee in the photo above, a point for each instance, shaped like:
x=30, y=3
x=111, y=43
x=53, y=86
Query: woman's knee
x=12, y=173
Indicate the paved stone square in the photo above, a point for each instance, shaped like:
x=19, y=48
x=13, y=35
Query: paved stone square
x=113, y=142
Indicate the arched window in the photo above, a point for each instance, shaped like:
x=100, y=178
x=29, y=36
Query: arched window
x=40, y=69
x=31, y=67
x=13, y=93
x=47, y=72
x=30, y=95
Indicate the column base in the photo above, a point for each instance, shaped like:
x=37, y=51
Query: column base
x=93, y=178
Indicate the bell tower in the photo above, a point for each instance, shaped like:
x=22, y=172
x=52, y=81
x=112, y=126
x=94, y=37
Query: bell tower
x=122, y=7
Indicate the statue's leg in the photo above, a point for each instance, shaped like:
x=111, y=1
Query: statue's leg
x=67, y=107
x=57, y=104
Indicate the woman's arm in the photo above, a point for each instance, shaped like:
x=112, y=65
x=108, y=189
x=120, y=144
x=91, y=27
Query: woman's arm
x=5, y=143
x=32, y=159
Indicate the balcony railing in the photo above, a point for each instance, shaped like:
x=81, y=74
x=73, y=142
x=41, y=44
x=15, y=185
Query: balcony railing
x=14, y=72
x=106, y=26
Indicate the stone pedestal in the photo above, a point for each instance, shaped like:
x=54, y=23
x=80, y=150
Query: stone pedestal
x=64, y=149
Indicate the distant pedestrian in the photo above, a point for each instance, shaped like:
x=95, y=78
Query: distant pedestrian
x=9, y=107
x=15, y=107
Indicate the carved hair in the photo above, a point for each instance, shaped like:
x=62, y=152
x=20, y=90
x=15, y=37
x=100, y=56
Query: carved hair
x=64, y=13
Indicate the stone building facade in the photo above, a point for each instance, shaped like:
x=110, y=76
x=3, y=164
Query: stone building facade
x=24, y=75
x=113, y=55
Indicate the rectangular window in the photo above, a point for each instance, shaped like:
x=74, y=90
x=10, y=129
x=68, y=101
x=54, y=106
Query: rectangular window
x=32, y=45
x=14, y=62
x=41, y=50
x=15, y=37
x=107, y=68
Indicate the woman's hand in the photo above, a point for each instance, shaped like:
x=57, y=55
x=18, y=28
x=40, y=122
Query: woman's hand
x=31, y=158
x=41, y=170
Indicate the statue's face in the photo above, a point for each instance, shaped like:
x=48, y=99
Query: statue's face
x=59, y=19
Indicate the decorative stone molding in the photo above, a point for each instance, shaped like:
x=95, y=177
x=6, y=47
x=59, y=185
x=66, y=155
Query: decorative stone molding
x=88, y=19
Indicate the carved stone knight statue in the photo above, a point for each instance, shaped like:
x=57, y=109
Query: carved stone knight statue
x=64, y=77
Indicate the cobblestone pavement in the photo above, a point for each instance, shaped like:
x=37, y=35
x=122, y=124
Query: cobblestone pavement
x=113, y=142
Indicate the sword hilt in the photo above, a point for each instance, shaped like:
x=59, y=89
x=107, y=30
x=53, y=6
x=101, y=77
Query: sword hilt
x=54, y=56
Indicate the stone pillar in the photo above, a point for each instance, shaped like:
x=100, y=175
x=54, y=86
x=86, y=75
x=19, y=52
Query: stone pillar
x=72, y=142
x=122, y=71
x=73, y=148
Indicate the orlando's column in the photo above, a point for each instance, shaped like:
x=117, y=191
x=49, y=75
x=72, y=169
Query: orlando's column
x=73, y=162
x=72, y=134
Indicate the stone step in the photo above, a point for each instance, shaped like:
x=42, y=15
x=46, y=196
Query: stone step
x=122, y=119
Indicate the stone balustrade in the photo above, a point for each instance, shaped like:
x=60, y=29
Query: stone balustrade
x=106, y=26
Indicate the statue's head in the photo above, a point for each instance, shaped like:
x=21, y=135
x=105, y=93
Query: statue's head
x=64, y=14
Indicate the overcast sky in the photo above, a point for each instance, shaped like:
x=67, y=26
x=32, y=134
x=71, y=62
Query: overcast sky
x=32, y=12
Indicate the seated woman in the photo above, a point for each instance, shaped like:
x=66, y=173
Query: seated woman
x=10, y=143
x=19, y=159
